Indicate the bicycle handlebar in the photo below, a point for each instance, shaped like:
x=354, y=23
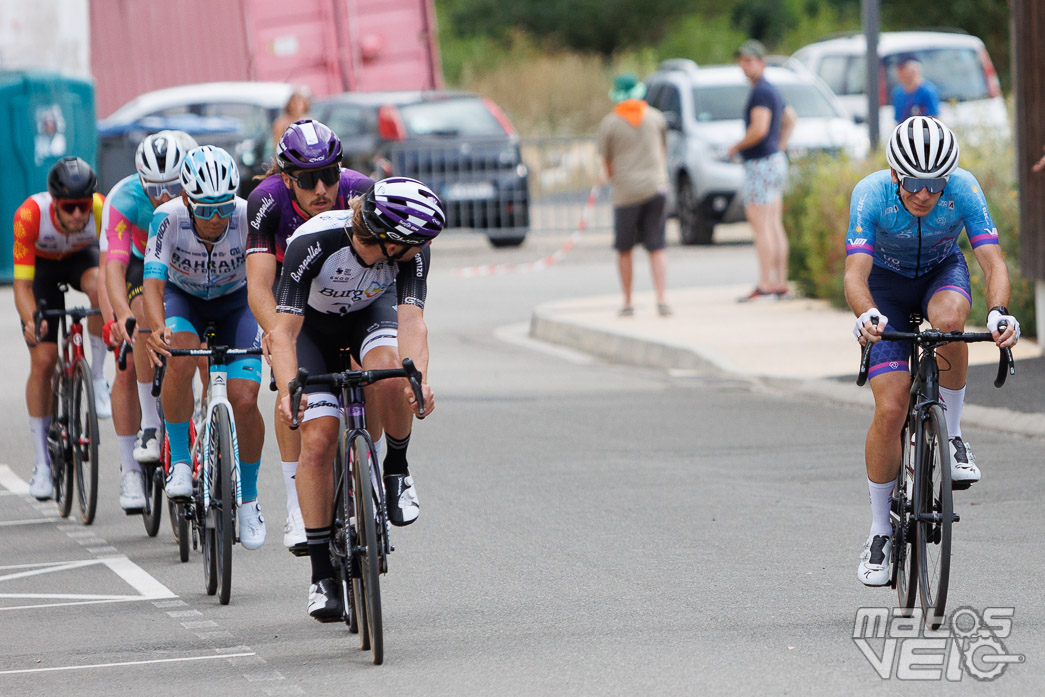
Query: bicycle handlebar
x=158, y=371
x=125, y=345
x=934, y=338
x=41, y=313
x=353, y=378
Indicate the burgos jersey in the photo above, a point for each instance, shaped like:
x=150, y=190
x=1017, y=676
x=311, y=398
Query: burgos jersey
x=879, y=224
x=176, y=255
x=36, y=234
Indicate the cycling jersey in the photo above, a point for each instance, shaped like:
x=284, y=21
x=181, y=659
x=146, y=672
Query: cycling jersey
x=176, y=255
x=322, y=272
x=879, y=224
x=274, y=215
x=36, y=234
x=125, y=219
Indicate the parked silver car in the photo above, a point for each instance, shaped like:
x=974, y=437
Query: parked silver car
x=704, y=107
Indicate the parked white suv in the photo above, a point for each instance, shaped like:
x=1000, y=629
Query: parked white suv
x=704, y=108
x=958, y=64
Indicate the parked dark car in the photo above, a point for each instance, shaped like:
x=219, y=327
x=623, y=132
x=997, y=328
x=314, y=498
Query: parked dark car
x=460, y=144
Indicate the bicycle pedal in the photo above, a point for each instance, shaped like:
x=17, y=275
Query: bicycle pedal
x=133, y=511
x=961, y=486
x=299, y=550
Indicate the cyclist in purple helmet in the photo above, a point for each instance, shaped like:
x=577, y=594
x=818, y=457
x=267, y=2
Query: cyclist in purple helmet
x=305, y=180
x=357, y=280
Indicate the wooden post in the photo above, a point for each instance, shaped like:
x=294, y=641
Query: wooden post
x=1028, y=38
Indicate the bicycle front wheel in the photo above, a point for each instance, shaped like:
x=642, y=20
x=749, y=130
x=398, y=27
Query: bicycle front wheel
x=222, y=496
x=83, y=433
x=367, y=551
x=905, y=568
x=58, y=445
x=934, y=512
x=152, y=513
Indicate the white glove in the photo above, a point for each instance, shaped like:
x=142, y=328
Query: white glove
x=995, y=317
x=865, y=318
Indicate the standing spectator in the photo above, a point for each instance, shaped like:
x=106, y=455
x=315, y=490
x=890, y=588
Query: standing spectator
x=633, y=143
x=769, y=121
x=914, y=96
x=295, y=109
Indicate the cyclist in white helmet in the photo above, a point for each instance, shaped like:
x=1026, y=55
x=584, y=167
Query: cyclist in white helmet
x=903, y=257
x=195, y=274
x=126, y=217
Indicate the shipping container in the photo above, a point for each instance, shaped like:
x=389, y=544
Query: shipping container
x=329, y=45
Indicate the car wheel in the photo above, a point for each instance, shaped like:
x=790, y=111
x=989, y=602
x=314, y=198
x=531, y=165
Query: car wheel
x=503, y=241
x=694, y=228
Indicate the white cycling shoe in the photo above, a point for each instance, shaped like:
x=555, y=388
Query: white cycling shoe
x=179, y=482
x=964, y=472
x=875, y=561
x=102, y=401
x=251, y=525
x=132, y=491
x=147, y=446
x=294, y=530
x=40, y=486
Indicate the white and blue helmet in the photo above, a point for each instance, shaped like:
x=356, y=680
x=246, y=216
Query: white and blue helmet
x=209, y=175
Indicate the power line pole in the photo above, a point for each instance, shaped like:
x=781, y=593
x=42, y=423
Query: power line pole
x=871, y=10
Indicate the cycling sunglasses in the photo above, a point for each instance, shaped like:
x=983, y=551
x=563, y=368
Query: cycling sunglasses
x=206, y=211
x=156, y=191
x=308, y=178
x=913, y=185
x=73, y=205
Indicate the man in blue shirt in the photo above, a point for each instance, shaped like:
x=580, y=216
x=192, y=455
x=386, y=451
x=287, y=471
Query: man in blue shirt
x=914, y=96
x=769, y=122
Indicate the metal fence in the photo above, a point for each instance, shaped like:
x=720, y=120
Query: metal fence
x=562, y=173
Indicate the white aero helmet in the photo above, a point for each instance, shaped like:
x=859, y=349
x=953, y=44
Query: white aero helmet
x=923, y=148
x=209, y=175
x=159, y=156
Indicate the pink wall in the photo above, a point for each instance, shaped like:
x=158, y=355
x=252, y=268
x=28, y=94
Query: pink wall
x=329, y=45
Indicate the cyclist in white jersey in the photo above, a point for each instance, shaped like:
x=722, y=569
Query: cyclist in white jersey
x=903, y=257
x=195, y=275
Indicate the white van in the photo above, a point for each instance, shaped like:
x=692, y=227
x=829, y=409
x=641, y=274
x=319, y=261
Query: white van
x=958, y=64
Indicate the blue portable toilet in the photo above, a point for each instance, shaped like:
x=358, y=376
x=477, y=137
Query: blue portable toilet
x=44, y=116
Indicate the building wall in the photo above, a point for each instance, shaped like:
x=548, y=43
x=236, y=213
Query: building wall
x=45, y=34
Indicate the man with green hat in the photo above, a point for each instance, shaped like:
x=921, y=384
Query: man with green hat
x=633, y=144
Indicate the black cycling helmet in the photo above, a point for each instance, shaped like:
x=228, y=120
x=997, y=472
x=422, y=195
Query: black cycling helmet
x=71, y=177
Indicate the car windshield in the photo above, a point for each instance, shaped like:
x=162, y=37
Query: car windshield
x=450, y=117
x=726, y=102
x=349, y=121
x=956, y=72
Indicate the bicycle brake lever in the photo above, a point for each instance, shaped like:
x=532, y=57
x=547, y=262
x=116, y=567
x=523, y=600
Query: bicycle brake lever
x=295, y=387
x=125, y=347
x=157, y=376
x=414, y=376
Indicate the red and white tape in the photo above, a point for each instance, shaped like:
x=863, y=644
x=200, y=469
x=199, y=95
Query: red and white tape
x=544, y=262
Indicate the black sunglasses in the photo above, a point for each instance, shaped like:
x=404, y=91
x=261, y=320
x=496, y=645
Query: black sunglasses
x=308, y=178
x=913, y=185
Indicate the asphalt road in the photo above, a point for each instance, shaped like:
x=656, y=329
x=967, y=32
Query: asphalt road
x=586, y=529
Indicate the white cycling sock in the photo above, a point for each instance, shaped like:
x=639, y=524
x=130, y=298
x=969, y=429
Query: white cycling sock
x=98, y=353
x=150, y=415
x=38, y=426
x=881, y=500
x=289, y=468
x=378, y=445
x=953, y=401
x=127, y=461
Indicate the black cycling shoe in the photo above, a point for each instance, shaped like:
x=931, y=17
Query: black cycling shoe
x=401, y=498
x=324, y=601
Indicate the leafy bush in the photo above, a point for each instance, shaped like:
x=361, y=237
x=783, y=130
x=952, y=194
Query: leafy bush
x=816, y=216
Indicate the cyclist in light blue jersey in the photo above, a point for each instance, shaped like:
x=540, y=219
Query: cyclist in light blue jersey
x=195, y=275
x=903, y=257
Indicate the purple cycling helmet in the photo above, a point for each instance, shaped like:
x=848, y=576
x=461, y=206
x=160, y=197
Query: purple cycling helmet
x=307, y=144
x=404, y=211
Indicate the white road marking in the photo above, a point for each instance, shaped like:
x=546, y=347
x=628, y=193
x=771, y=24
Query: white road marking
x=126, y=663
x=147, y=587
x=12, y=482
x=30, y=521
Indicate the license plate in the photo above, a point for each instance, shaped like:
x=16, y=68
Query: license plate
x=470, y=191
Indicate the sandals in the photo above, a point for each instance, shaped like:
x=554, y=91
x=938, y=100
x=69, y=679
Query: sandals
x=626, y=311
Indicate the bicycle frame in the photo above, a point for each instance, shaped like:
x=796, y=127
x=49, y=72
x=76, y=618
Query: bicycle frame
x=217, y=394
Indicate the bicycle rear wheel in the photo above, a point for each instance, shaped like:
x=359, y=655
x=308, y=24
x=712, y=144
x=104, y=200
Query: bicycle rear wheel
x=152, y=514
x=58, y=446
x=222, y=497
x=905, y=566
x=83, y=435
x=935, y=510
x=368, y=551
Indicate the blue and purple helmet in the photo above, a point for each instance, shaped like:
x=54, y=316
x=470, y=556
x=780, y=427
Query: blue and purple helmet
x=307, y=144
x=404, y=211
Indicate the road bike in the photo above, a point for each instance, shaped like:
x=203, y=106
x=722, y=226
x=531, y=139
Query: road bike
x=922, y=511
x=72, y=439
x=359, y=543
x=210, y=514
